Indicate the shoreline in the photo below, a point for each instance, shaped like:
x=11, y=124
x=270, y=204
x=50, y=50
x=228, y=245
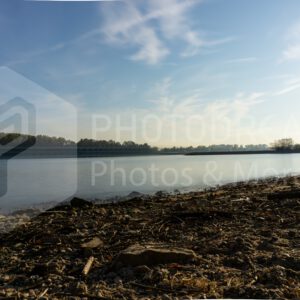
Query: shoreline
x=62, y=154
x=239, y=240
x=40, y=207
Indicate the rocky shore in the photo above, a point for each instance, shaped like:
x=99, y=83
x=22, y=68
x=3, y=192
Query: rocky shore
x=235, y=241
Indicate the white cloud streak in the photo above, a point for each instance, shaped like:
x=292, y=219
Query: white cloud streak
x=168, y=103
x=292, y=52
x=290, y=88
x=148, y=28
x=241, y=60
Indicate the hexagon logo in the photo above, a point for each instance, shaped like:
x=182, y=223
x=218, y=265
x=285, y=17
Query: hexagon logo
x=31, y=173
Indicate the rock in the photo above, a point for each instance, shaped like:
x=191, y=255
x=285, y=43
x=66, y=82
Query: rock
x=93, y=243
x=148, y=255
x=80, y=203
x=134, y=194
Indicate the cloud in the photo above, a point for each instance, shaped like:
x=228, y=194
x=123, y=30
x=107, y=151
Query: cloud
x=241, y=60
x=151, y=49
x=172, y=16
x=148, y=27
x=189, y=119
x=293, y=32
x=168, y=103
x=163, y=102
x=74, y=70
x=126, y=26
x=145, y=27
x=242, y=104
x=292, y=51
x=291, y=85
x=27, y=57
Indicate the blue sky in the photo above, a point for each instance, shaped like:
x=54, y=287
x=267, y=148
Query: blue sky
x=234, y=64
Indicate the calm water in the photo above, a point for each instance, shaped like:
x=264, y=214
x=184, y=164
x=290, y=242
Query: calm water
x=32, y=181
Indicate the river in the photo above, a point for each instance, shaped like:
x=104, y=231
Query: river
x=33, y=181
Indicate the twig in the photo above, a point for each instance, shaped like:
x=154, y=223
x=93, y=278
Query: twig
x=43, y=293
x=88, y=265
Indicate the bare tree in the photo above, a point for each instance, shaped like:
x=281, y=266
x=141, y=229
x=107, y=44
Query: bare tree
x=283, y=144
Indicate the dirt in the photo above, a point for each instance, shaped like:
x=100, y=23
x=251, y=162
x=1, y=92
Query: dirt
x=235, y=241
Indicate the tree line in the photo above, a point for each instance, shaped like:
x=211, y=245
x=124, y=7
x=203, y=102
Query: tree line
x=44, y=141
x=49, y=142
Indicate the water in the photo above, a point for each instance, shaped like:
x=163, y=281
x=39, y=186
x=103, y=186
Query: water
x=32, y=181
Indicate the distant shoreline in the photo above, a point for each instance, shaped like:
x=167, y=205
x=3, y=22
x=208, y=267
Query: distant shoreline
x=80, y=153
x=242, y=152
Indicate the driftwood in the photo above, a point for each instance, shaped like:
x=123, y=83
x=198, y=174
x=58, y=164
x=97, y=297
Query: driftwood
x=43, y=293
x=88, y=265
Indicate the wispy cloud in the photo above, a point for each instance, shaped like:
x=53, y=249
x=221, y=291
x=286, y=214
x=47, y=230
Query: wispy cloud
x=193, y=102
x=292, y=51
x=192, y=120
x=149, y=26
x=27, y=57
x=127, y=25
x=243, y=103
x=164, y=102
x=65, y=71
x=145, y=27
x=290, y=86
x=241, y=60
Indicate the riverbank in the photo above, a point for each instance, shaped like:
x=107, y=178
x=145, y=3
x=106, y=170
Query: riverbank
x=235, y=241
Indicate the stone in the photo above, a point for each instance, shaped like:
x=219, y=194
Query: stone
x=93, y=243
x=137, y=255
x=134, y=194
x=79, y=203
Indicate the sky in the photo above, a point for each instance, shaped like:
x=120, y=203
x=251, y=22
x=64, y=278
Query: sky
x=169, y=73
